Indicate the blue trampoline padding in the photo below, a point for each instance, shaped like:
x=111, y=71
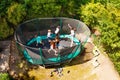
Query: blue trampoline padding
x=27, y=56
x=39, y=38
x=58, y=58
x=70, y=56
x=31, y=41
x=76, y=41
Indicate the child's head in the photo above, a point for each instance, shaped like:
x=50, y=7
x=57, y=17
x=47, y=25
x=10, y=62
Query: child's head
x=72, y=28
x=51, y=42
x=49, y=30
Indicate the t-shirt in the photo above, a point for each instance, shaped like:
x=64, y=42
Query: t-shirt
x=49, y=34
x=38, y=39
x=57, y=31
x=72, y=33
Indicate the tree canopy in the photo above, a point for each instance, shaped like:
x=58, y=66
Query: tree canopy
x=106, y=19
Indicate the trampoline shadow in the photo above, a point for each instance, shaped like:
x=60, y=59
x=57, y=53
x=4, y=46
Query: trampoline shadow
x=76, y=61
x=80, y=59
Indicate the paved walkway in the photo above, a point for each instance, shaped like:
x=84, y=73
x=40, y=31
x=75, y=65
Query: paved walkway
x=106, y=70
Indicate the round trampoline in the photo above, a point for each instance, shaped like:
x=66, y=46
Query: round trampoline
x=49, y=41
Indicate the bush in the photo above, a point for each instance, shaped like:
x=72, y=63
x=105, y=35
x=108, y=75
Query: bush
x=16, y=13
x=5, y=30
x=4, y=76
x=115, y=57
x=106, y=19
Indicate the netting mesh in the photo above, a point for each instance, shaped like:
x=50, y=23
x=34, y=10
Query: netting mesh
x=27, y=30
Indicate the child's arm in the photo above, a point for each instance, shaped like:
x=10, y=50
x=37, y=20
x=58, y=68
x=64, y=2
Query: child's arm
x=69, y=26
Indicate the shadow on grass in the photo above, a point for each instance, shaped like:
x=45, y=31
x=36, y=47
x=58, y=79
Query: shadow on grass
x=80, y=59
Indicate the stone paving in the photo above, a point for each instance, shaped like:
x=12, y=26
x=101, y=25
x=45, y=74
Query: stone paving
x=4, y=55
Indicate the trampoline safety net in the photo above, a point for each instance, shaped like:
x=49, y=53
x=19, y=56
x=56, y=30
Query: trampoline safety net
x=26, y=41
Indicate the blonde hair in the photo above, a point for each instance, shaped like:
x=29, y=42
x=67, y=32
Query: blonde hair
x=49, y=30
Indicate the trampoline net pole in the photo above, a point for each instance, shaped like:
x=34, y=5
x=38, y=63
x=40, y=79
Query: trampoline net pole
x=40, y=52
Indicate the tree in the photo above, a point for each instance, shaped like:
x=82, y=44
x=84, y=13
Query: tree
x=42, y=8
x=16, y=13
x=110, y=29
x=3, y=7
x=5, y=30
x=107, y=19
x=92, y=14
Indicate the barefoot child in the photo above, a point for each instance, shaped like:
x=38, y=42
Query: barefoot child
x=52, y=47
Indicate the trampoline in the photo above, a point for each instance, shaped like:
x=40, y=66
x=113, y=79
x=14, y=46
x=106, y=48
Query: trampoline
x=29, y=33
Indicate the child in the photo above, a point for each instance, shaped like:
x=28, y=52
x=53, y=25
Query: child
x=38, y=40
x=52, y=47
x=72, y=30
x=57, y=40
x=57, y=30
x=72, y=34
x=49, y=35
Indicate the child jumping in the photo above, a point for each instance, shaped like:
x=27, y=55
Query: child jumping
x=72, y=34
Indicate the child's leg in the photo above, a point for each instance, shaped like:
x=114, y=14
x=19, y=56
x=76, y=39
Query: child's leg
x=55, y=52
x=71, y=42
x=49, y=50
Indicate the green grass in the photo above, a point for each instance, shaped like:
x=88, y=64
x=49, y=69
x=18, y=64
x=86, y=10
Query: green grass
x=78, y=71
